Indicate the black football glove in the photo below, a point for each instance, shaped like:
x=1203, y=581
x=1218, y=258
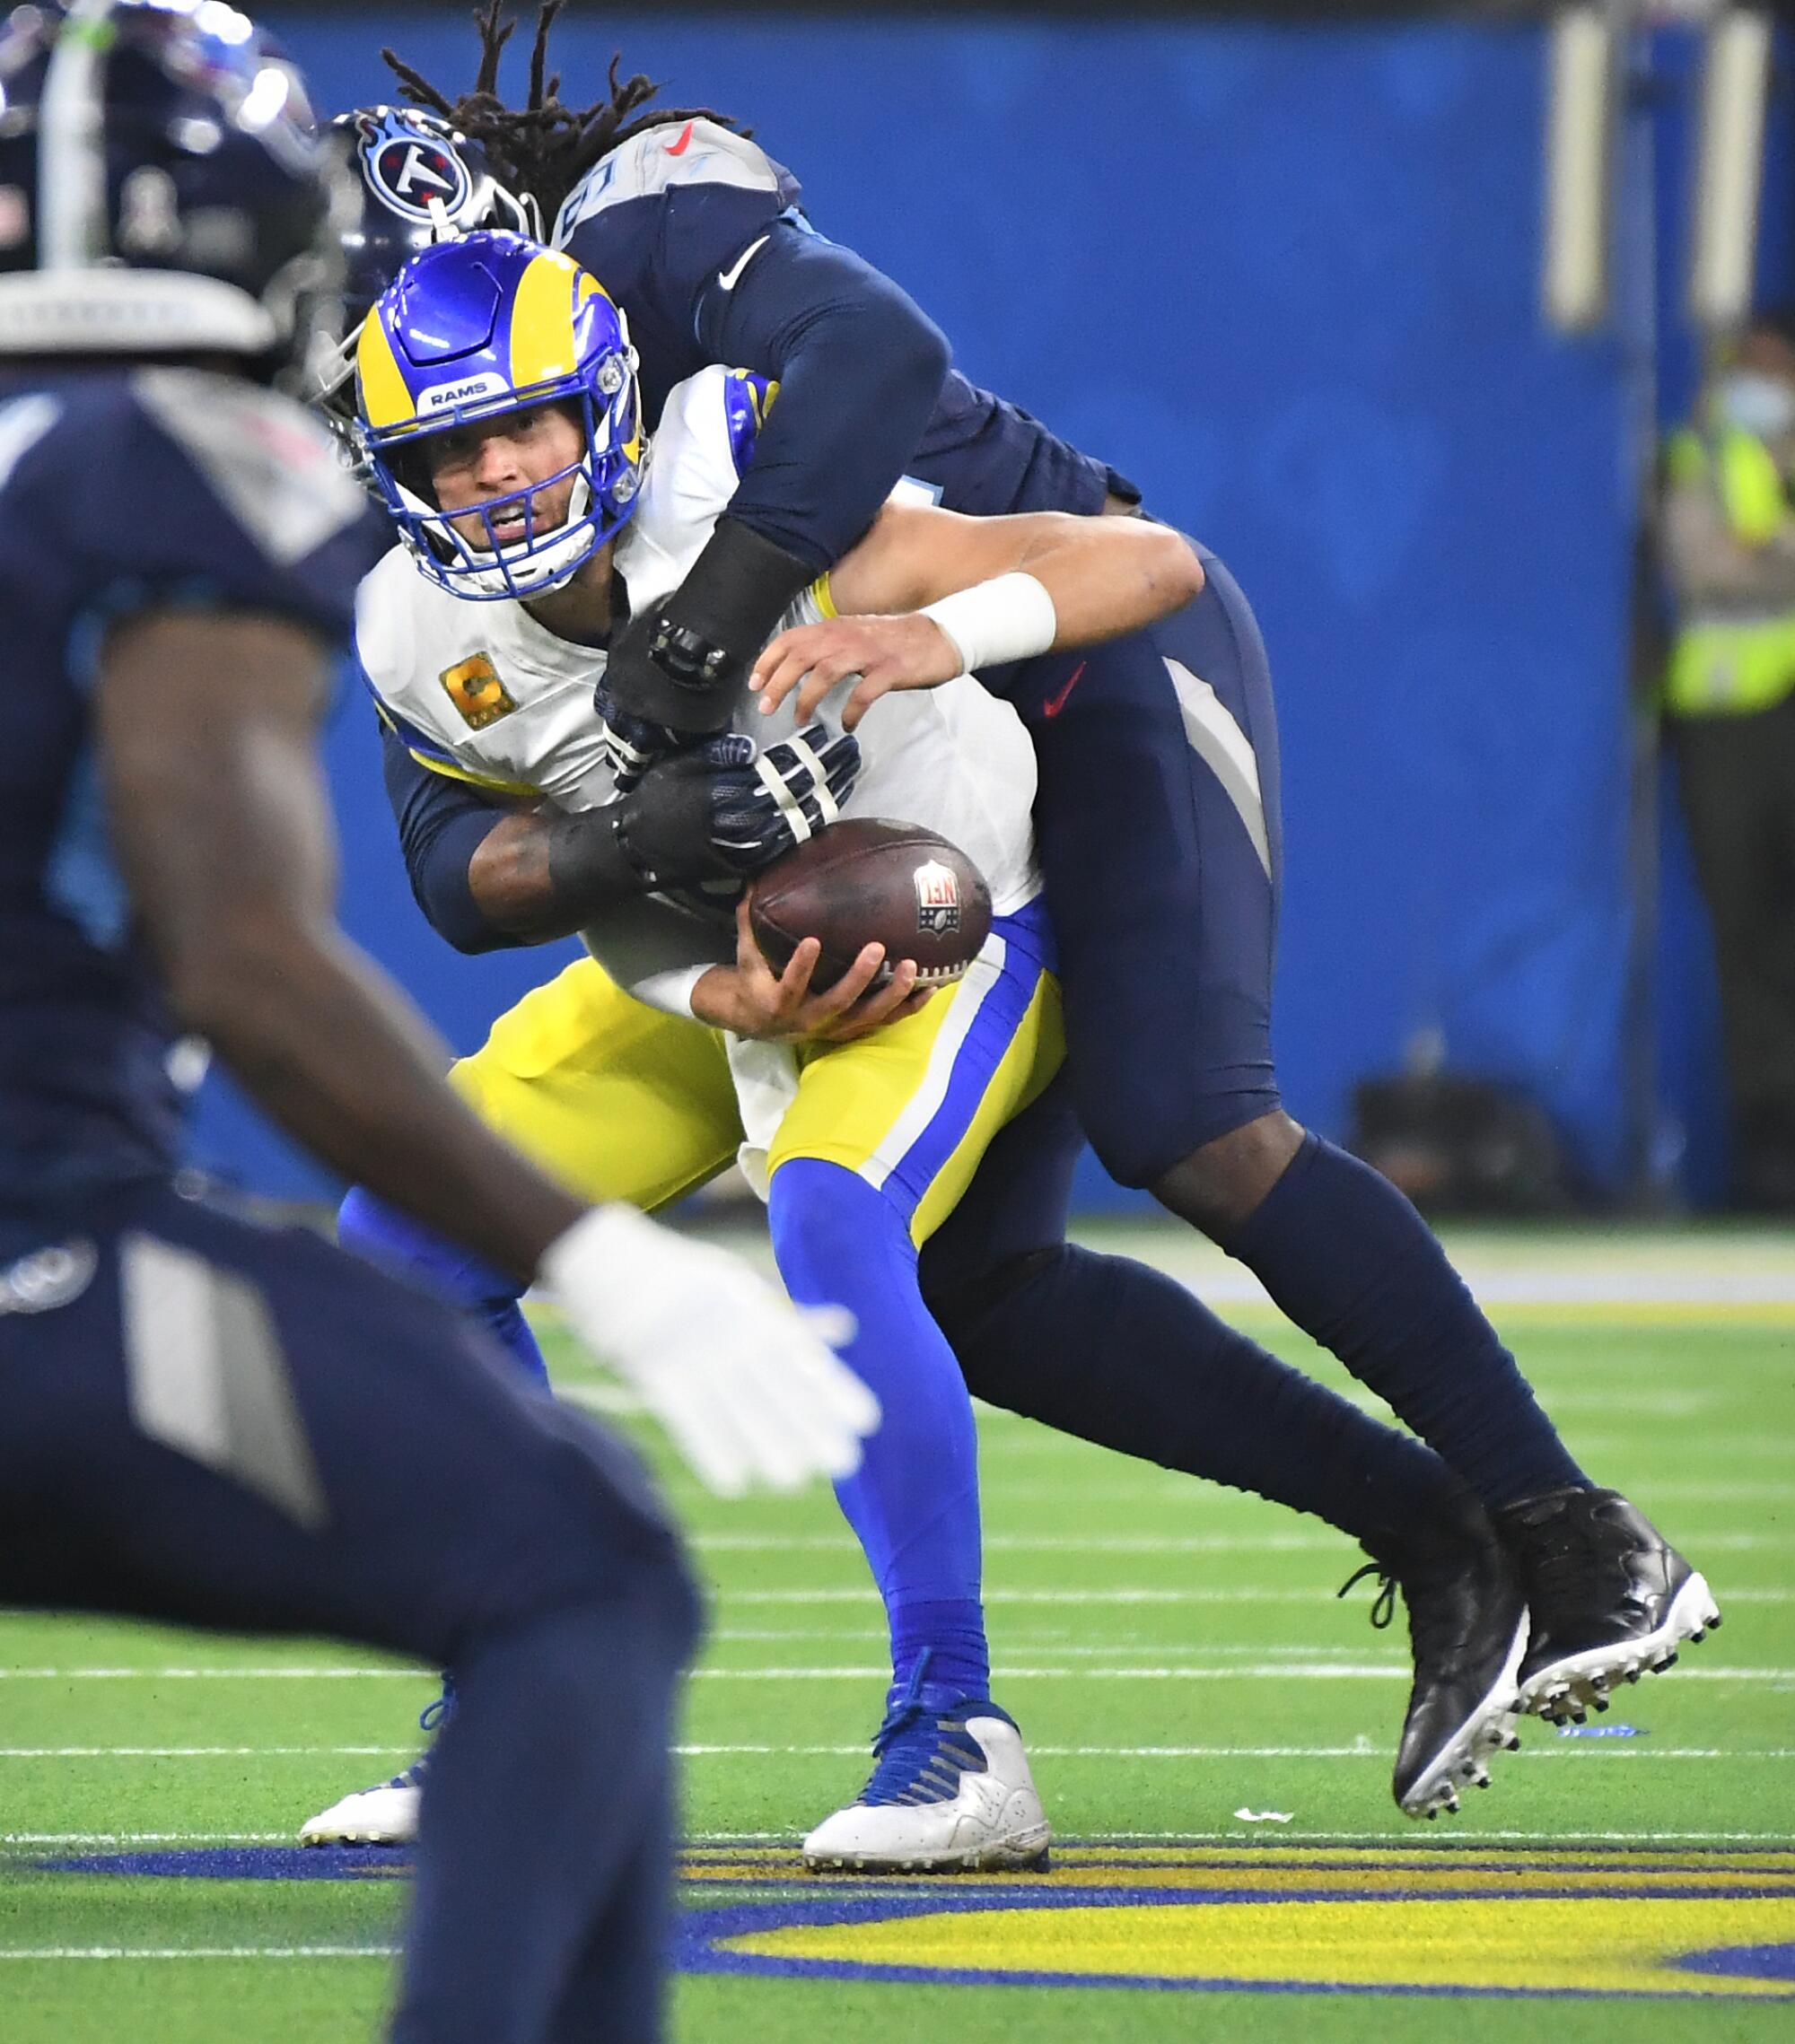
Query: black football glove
x=719, y=810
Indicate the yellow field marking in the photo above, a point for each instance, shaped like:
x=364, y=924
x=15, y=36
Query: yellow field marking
x=1592, y=1946
x=1281, y=1870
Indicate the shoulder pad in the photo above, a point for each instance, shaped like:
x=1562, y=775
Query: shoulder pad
x=707, y=430
x=390, y=620
x=273, y=467
x=660, y=159
x=692, y=474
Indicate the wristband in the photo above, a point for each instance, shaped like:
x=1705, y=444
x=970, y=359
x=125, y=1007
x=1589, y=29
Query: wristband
x=1010, y=617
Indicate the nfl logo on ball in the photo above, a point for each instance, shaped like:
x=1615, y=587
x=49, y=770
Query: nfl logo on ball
x=937, y=898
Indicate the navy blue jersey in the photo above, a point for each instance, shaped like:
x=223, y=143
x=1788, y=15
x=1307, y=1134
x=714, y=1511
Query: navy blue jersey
x=123, y=491
x=698, y=233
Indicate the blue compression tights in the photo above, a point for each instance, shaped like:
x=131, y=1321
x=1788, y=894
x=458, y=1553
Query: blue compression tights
x=369, y=1228
x=913, y=1502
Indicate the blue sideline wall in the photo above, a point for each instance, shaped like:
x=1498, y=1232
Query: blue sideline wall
x=1288, y=281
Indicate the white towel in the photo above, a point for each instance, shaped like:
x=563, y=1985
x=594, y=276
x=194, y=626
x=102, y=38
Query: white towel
x=765, y=1077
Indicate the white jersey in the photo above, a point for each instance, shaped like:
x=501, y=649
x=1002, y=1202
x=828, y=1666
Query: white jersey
x=483, y=692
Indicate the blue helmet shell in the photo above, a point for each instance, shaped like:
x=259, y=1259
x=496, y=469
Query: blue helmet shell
x=475, y=330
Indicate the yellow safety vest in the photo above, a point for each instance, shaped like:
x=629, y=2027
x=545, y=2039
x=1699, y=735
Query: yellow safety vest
x=1732, y=666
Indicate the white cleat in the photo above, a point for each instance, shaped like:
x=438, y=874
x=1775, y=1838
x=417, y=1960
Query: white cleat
x=951, y=1794
x=386, y=1816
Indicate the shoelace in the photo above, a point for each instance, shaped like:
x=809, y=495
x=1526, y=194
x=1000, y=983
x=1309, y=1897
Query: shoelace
x=430, y=1718
x=1384, y=1604
x=1436, y=1645
x=913, y=1765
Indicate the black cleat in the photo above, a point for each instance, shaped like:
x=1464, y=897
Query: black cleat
x=1468, y=1629
x=1610, y=1598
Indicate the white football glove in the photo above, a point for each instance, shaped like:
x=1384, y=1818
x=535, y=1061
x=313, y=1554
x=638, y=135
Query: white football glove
x=743, y=1380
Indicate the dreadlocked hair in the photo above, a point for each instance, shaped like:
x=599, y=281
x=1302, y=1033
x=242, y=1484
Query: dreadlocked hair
x=544, y=148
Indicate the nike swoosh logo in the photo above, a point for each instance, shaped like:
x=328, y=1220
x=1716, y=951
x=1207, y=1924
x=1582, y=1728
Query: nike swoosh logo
x=1057, y=703
x=679, y=148
x=729, y=277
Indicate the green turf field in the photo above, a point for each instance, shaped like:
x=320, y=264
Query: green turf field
x=1211, y=1731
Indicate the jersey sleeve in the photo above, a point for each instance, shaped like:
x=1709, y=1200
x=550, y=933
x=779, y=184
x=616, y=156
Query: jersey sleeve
x=215, y=491
x=441, y=824
x=672, y=209
x=698, y=231
x=859, y=368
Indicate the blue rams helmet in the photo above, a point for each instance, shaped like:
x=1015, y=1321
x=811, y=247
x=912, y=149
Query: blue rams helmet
x=163, y=189
x=473, y=330
x=421, y=181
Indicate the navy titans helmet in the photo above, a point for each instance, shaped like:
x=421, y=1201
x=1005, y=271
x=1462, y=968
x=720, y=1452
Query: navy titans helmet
x=163, y=189
x=422, y=181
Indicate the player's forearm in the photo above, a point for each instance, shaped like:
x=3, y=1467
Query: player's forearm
x=860, y=368
x=334, y=1053
x=539, y=876
x=1108, y=576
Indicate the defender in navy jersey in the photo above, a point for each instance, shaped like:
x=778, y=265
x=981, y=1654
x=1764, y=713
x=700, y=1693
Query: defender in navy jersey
x=1158, y=789
x=208, y=1421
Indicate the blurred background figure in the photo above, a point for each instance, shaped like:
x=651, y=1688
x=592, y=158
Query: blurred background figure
x=1727, y=548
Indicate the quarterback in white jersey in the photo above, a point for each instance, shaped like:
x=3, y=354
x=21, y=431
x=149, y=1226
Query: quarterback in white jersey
x=500, y=409
x=494, y=692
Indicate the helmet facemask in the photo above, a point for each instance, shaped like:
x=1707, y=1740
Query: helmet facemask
x=548, y=554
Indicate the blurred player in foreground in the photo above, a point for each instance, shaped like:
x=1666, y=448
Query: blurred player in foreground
x=502, y=425
x=1158, y=824
x=207, y=1421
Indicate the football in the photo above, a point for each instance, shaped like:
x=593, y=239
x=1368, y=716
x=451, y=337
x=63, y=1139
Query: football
x=866, y=880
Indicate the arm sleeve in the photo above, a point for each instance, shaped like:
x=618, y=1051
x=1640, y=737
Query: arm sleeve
x=658, y=953
x=859, y=369
x=441, y=824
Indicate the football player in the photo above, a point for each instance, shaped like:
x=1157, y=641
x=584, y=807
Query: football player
x=503, y=425
x=1158, y=827
x=204, y=1420
x=1226, y=1410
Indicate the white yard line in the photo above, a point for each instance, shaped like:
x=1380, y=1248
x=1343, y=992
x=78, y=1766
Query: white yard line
x=1285, y=1671
x=1156, y=1543
x=870, y=1598
x=1290, y=1670
x=59, y=1953
x=297, y=1674
x=201, y=1752
x=1363, y=1750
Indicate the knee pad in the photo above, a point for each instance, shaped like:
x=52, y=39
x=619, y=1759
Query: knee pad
x=1138, y=1153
